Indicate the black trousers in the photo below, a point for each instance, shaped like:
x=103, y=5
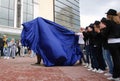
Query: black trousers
x=38, y=58
x=97, y=58
x=18, y=52
x=1, y=51
x=115, y=53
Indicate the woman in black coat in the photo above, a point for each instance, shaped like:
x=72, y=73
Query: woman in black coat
x=113, y=36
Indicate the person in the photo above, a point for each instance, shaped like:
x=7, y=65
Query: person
x=1, y=46
x=97, y=48
x=91, y=36
x=105, y=48
x=22, y=51
x=87, y=47
x=113, y=36
x=18, y=45
x=5, y=47
x=9, y=48
x=82, y=45
x=13, y=47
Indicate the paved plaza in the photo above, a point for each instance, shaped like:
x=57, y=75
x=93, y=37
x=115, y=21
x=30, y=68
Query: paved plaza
x=23, y=69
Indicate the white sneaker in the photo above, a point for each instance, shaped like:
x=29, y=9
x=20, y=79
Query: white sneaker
x=108, y=74
x=94, y=70
x=89, y=66
x=86, y=65
x=7, y=58
x=83, y=64
x=90, y=69
x=100, y=71
x=115, y=79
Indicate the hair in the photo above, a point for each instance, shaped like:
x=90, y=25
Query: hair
x=118, y=14
x=116, y=18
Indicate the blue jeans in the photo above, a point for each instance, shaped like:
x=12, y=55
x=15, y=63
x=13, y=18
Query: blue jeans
x=5, y=51
x=8, y=51
x=108, y=59
x=87, y=52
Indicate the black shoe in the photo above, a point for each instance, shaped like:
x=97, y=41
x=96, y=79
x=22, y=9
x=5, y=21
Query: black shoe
x=37, y=63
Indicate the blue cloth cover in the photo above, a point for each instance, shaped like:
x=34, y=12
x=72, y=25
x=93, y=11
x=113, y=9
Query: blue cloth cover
x=53, y=42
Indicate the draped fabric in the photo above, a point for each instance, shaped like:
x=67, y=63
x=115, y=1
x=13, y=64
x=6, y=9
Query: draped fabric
x=54, y=43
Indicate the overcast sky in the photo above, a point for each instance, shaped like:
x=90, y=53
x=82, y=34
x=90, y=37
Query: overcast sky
x=91, y=10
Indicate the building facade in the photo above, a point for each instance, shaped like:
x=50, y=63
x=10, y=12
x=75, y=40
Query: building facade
x=15, y=12
x=67, y=13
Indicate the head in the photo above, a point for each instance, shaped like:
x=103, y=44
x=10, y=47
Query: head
x=86, y=29
x=111, y=12
x=4, y=36
x=12, y=40
x=104, y=20
x=90, y=27
x=97, y=24
x=112, y=15
x=103, y=23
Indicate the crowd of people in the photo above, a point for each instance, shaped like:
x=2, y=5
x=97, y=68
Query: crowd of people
x=102, y=45
x=12, y=48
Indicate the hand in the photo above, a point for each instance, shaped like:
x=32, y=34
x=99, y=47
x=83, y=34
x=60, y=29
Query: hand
x=89, y=29
x=97, y=30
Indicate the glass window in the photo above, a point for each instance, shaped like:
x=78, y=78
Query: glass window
x=4, y=3
x=57, y=8
x=77, y=17
x=30, y=2
x=7, y=12
x=3, y=22
x=67, y=13
x=24, y=20
x=11, y=23
x=30, y=9
x=75, y=11
x=12, y=3
x=3, y=13
x=29, y=17
x=36, y=1
x=60, y=4
x=11, y=14
x=24, y=17
x=24, y=8
x=25, y=1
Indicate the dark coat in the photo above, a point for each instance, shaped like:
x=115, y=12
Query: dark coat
x=1, y=43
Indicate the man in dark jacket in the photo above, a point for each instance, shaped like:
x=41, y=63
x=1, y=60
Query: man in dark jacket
x=1, y=46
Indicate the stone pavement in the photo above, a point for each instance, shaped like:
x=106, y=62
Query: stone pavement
x=20, y=69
